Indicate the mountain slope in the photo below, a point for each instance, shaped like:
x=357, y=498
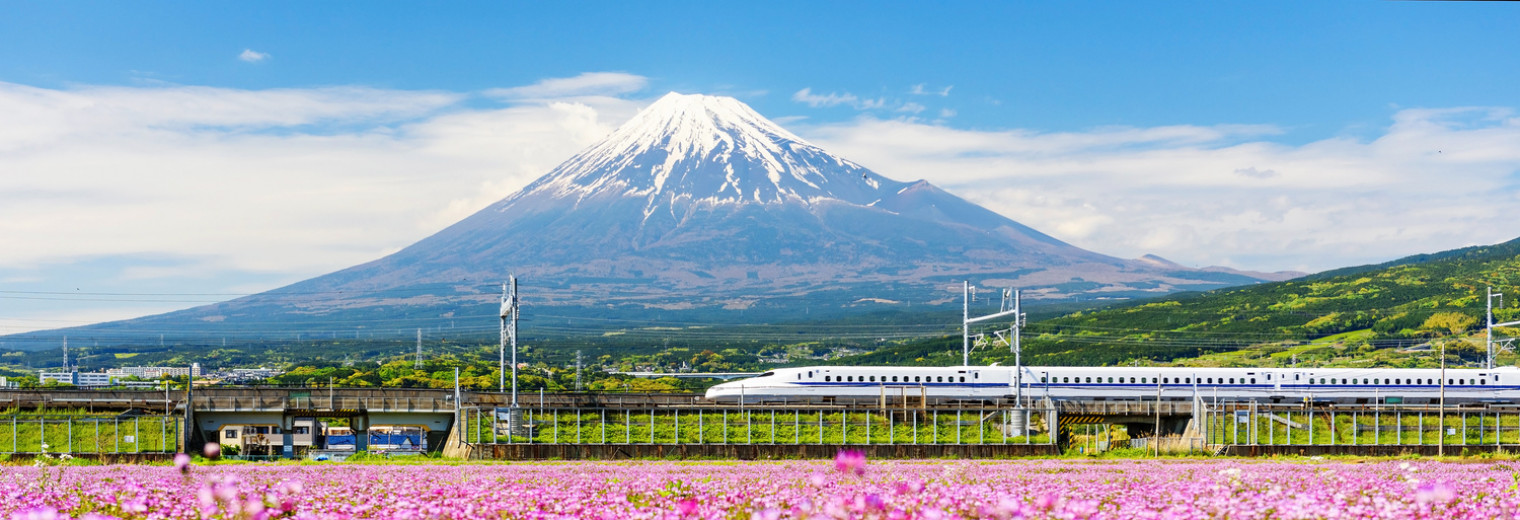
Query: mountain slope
x=704, y=210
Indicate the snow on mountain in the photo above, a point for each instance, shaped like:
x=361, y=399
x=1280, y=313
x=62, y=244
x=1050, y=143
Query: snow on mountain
x=697, y=149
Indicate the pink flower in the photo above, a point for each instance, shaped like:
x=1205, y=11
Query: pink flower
x=687, y=507
x=212, y=451
x=850, y=461
x=182, y=461
x=1434, y=492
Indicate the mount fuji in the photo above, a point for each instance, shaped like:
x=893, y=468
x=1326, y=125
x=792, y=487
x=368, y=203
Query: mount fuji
x=699, y=207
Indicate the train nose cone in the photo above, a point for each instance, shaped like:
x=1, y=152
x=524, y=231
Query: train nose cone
x=715, y=392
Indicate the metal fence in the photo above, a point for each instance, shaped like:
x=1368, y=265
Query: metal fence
x=80, y=434
x=1247, y=423
x=771, y=425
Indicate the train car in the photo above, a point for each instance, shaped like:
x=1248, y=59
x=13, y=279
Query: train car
x=985, y=383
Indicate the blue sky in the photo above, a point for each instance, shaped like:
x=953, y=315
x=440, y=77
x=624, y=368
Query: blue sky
x=1317, y=68
x=186, y=152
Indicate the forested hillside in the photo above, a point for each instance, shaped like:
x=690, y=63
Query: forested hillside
x=1376, y=315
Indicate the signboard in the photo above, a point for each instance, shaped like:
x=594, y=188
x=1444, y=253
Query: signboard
x=130, y=438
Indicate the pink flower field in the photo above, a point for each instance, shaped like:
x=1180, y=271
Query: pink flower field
x=849, y=487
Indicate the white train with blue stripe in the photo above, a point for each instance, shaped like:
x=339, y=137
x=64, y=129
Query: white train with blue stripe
x=986, y=383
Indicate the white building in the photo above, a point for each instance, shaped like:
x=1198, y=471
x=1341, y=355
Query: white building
x=81, y=379
x=156, y=372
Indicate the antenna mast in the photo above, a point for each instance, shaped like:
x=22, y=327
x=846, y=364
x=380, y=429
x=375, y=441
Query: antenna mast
x=65, y=353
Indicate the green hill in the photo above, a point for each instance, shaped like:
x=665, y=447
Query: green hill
x=1375, y=315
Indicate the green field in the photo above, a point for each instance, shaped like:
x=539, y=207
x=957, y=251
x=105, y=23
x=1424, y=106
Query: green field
x=87, y=434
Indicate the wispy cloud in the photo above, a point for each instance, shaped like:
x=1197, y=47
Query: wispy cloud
x=585, y=84
x=807, y=96
x=252, y=56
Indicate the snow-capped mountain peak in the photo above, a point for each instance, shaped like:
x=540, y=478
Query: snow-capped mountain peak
x=699, y=149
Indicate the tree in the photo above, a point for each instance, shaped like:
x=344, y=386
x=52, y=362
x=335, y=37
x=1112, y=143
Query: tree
x=1452, y=323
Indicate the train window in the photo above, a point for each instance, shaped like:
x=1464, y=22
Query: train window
x=1377, y=381
x=1166, y=380
x=1253, y=380
x=1211, y=381
x=799, y=377
x=1065, y=380
x=915, y=379
x=1461, y=381
x=940, y=379
x=1232, y=380
x=1042, y=379
x=963, y=379
x=825, y=378
x=850, y=379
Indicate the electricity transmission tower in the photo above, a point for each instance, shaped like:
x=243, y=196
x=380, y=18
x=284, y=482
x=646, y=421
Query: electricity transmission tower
x=509, y=334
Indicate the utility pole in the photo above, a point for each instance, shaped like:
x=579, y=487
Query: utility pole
x=1491, y=324
x=1441, y=449
x=1018, y=350
x=509, y=314
x=418, y=363
x=966, y=323
x=65, y=353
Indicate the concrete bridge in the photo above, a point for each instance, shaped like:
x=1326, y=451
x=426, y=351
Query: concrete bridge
x=212, y=410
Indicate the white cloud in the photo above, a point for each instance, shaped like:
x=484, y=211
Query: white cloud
x=276, y=185
x=585, y=84
x=255, y=188
x=1200, y=195
x=252, y=56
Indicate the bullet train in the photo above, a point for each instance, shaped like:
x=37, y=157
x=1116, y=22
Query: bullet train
x=987, y=383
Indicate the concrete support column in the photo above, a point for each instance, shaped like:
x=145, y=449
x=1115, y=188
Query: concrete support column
x=288, y=436
x=361, y=433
